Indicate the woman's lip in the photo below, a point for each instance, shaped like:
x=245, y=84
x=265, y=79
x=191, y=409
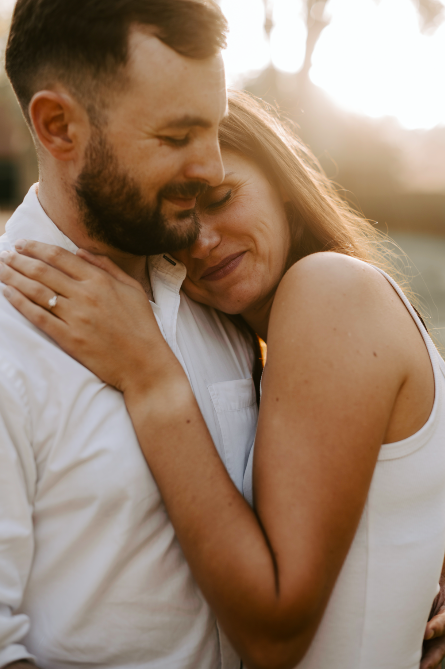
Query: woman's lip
x=225, y=267
x=182, y=202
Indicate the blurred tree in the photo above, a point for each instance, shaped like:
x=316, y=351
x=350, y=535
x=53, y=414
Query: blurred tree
x=431, y=14
x=316, y=23
x=362, y=155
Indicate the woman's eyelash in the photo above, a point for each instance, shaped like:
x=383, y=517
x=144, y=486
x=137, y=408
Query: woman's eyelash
x=219, y=203
x=183, y=141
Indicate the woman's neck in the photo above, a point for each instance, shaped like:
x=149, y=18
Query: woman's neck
x=258, y=316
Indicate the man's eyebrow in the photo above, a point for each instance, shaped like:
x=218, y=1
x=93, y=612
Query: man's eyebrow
x=188, y=122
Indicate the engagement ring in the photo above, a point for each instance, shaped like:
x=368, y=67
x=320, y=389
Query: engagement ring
x=53, y=301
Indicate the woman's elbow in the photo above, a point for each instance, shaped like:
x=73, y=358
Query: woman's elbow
x=277, y=651
x=278, y=635
x=278, y=655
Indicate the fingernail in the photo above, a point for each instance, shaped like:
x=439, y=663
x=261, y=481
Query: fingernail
x=4, y=255
x=20, y=244
x=7, y=292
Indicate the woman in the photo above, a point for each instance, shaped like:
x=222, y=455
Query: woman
x=339, y=562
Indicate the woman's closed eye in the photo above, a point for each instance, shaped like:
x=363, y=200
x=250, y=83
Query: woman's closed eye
x=177, y=141
x=221, y=202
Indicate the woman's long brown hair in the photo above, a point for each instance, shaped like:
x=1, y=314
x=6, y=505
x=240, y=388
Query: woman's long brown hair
x=319, y=219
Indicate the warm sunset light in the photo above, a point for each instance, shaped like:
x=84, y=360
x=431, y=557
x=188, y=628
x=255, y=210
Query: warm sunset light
x=372, y=58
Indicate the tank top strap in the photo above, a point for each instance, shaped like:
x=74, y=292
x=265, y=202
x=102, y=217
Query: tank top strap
x=416, y=441
x=436, y=358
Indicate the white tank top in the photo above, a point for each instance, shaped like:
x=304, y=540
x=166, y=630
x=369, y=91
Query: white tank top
x=378, y=610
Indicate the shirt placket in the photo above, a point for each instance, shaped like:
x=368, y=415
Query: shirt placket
x=166, y=277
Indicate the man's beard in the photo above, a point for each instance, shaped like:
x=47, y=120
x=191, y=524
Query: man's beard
x=116, y=213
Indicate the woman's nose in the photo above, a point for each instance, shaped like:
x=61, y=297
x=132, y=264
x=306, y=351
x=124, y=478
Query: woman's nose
x=207, y=241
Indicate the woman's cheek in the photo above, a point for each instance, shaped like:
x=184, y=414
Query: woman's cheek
x=194, y=292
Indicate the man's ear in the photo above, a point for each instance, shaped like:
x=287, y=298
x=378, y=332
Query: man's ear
x=60, y=123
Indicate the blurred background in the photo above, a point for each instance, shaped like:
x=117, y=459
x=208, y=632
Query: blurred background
x=365, y=82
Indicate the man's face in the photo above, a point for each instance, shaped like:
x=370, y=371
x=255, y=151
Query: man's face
x=157, y=152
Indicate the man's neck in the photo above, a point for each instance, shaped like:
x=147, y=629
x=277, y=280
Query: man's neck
x=58, y=203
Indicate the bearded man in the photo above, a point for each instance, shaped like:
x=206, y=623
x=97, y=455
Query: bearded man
x=123, y=99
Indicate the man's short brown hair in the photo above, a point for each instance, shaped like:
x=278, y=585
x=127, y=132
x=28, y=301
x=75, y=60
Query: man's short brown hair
x=84, y=43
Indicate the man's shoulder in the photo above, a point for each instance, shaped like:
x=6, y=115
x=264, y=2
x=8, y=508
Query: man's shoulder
x=5, y=243
x=19, y=339
x=30, y=361
x=6, y=310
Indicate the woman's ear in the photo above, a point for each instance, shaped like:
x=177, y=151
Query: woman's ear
x=60, y=124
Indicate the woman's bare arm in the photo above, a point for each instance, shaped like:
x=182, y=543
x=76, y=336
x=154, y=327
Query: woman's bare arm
x=334, y=372
x=328, y=394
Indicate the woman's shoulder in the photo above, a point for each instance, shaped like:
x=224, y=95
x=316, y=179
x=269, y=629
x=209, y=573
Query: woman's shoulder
x=330, y=271
x=330, y=300
x=333, y=279
x=338, y=318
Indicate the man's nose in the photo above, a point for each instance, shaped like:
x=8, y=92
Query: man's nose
x=206, y=164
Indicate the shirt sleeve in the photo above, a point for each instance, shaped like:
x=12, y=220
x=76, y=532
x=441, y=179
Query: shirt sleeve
x=17, y=483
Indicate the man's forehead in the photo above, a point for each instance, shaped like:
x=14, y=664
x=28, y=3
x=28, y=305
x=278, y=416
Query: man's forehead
x=186, y=121
x=149, y=52
x=180, y=92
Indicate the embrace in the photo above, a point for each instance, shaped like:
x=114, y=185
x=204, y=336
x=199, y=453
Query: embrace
x=164, y=502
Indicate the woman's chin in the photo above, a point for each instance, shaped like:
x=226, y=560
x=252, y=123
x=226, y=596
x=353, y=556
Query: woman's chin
x=229, y=307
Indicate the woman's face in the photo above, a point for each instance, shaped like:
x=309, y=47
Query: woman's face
x=239, y=258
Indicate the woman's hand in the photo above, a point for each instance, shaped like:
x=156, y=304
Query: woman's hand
x=434, y=643
x=102, y=317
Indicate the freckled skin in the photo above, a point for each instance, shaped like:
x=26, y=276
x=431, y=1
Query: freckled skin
x=252, y=221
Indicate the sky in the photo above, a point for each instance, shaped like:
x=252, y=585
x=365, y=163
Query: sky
x=372, y=59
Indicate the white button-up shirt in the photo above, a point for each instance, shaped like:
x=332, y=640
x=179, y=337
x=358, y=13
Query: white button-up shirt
x=91, y=573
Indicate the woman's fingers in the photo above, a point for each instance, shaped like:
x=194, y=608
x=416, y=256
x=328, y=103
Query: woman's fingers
x=56, y=257
x=40, y=272
x=433, y=654
x=33, y=290
x=109, y=266
x=80, y=266
x=38, y=316
x=436, y=626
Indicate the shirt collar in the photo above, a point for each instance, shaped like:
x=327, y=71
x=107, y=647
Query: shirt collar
x=165, y=273
x=29, y=221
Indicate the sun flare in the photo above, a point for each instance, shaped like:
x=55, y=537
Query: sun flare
x=372, y=59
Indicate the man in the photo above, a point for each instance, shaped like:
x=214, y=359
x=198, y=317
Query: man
x=123, y=98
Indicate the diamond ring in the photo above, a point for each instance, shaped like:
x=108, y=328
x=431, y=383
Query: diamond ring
x=53, y=301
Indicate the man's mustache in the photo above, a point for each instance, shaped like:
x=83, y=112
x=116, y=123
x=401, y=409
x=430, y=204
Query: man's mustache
x=187, y=190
